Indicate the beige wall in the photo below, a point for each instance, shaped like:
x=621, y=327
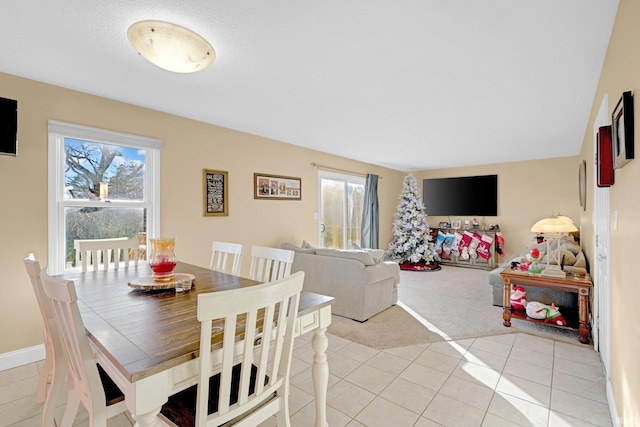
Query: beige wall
x=620, y=73
x=527, y=192
x=189, y=146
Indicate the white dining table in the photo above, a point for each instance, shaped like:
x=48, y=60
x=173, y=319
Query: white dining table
x=148, y=342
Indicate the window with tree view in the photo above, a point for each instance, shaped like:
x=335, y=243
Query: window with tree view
x=106, y=187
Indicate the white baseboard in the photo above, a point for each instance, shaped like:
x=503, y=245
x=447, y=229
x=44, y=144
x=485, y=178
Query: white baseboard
x=21, y=357
x=613, y=409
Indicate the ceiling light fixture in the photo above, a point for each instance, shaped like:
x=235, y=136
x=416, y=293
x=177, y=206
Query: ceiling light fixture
x=171, y=46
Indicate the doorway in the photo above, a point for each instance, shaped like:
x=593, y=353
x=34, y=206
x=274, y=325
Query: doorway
x=340, y=204
x=601, y=263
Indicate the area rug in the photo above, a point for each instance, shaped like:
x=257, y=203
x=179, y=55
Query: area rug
x=450, y=304
x=391, y=328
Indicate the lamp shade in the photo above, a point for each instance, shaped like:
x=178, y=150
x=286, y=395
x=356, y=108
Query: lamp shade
x=554, y=224
x=171, y=46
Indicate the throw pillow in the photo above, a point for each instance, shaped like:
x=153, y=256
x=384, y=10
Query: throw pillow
x=294, y=248
x=566, y=257
x=376, y=254
x=361, y=256
x=581, y=261
x=307, y=245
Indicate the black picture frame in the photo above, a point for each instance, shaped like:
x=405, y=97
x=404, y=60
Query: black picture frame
x=604, y=158
x=215, y=186
x=622, y=131
x=582, y=184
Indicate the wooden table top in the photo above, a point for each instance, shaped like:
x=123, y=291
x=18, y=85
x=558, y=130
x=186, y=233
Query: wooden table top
x=523, y=277
x=143, y=333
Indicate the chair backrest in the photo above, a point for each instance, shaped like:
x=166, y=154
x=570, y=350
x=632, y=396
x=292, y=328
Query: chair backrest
x=50, y=335
x=226, y=257
x=33, y=270
x=268, y=264
x=82, y=370
x=106, y=252
x=264, y=316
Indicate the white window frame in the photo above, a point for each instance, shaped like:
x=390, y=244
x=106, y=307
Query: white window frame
x=58, y=131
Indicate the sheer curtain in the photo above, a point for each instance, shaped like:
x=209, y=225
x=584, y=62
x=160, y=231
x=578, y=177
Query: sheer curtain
x=370, y=218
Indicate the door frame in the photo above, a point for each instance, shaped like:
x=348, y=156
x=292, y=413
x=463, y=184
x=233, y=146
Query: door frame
x=601, y=322
x=322, y=174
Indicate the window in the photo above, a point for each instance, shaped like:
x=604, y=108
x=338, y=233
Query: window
x=102, y=184
x=341, y=199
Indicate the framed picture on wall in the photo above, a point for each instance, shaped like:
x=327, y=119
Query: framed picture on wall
x=622, y=131
x=276, y=187
x=604, y=157
x=215, y=189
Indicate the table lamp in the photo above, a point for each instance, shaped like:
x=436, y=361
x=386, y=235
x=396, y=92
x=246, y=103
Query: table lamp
x=553, y=228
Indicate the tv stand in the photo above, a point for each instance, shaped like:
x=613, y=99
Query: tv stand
x=478, y=262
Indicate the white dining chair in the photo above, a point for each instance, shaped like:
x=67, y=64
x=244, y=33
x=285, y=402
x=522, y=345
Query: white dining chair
x=251, y=381
x=53, y=361
x=106, y=253
x=269, y=264
x=87, y=382
x=226, y=257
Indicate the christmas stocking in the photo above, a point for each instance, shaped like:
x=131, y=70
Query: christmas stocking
x=484, y=247
x=457, y=237
x=473, y=246
x=439, y=241
x=448, y=242
x=464, y=245
x=500, y=243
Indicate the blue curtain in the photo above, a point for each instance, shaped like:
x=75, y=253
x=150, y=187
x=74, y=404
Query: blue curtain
x=370, y=216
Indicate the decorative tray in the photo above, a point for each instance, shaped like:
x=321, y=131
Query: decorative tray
x=181, y=281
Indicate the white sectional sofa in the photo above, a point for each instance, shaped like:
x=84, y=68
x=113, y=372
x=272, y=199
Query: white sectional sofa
x=360, y=281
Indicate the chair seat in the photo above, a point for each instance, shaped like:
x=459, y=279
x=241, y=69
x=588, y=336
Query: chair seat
x=112, y=393
x=180, y=409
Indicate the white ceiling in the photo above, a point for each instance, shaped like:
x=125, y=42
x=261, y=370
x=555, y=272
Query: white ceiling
x=405, y=84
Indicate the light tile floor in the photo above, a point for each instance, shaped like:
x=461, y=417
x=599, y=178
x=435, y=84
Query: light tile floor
x=505, y=380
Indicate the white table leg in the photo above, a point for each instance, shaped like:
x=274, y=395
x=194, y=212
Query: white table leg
x=148, y=420
x=320, y=374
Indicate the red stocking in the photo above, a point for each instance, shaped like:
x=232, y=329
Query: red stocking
x=484, y=248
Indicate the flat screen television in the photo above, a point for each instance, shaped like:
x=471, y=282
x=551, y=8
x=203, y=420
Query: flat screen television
x=8, y=126
x=461, y=196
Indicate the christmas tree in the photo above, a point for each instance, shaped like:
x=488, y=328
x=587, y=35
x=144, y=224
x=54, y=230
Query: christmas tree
x=412, y=237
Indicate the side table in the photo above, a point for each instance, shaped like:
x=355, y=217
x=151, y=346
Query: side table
x=578, y=285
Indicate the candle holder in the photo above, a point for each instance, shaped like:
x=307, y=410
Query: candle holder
x=162, y=258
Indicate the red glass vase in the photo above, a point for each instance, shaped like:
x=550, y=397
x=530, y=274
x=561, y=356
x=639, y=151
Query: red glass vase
x=162, y=258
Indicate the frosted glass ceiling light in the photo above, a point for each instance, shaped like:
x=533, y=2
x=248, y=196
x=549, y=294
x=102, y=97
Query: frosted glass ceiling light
x=171, y=46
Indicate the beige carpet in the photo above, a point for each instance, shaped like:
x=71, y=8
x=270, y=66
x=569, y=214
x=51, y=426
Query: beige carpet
x=450, y=304
x=394, y=327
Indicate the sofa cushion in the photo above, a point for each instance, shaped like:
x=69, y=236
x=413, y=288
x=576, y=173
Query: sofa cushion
x=377, y=254
x=362, y=256
x=567, y=257
x=297, y=249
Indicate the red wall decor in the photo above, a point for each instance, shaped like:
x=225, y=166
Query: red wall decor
x=604, y=157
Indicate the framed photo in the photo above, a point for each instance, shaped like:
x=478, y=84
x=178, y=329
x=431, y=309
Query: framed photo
x=215, y=185
x=276, y=187
x=604, y=157
x=622, y=131
x=582, y=184
x=455, y=224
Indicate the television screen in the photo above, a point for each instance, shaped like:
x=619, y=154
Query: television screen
x=8, y=126
x=463, y=196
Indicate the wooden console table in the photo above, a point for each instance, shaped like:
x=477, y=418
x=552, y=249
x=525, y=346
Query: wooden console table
x=580, y=285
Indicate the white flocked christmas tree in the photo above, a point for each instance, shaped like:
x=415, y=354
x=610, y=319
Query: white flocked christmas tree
x=412, y=238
